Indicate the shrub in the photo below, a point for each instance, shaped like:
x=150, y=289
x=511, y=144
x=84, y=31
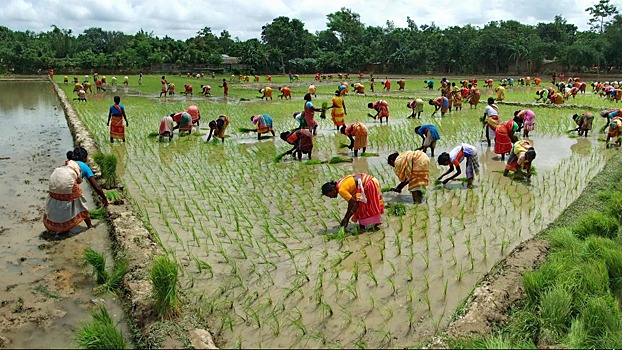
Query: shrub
x=596, y=223
x=555, y=309
x=601, y=320
x=523, y=325
x=563, y=238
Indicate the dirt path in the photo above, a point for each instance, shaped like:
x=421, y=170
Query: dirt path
x=46, y=292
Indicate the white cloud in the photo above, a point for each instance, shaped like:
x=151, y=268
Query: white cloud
x=181, y=19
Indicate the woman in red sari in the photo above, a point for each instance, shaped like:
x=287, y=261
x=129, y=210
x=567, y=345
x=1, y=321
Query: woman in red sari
x=504, y=137
x=364, y=197
x=117, y=114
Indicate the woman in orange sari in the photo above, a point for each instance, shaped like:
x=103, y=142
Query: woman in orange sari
x=382, y=109
x=364, y=197
x=116, y=113
x=339, y=111
x=413, y=169
x=504, y=137
x=474, y=96
x=357, y=133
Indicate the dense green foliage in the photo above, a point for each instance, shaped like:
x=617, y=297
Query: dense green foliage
x=346, y=45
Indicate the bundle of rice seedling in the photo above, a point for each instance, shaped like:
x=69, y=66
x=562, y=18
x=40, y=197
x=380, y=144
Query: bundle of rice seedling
x=98, y=213
x=344, y=145
x=324, y=109
x=153, y=134
x=98, y=263
x=314, y=162
x=371, y=115
x=108, y=166
x=164, y=279
x=280, y=156
x=114, y=197
x=101, y=333
x=371, y=154
x=337, y=159
x=386, y=188
x=121, y=268
x=245, y=130
x=396, y=209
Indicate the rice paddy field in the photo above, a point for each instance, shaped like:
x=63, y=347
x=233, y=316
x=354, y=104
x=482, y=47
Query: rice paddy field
x=263, y=261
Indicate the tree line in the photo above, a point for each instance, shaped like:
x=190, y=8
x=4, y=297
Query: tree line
x=346, y=45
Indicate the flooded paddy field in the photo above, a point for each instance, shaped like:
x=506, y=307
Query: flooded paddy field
x=262, y=263
x=46, y=291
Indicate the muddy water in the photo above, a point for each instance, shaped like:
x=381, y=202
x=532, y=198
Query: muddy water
x=45, y=291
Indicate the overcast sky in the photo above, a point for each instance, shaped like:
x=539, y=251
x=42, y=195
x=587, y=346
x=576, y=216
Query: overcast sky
x=181, y=19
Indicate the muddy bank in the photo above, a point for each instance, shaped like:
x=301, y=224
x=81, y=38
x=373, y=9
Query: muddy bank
x=133, y=240
x=487, y=308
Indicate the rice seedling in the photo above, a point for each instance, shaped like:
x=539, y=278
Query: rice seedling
x=98, y=262
x=108, y=166
x=100, y=333
x=338, y=159
x=114, y=197
x=396, y=209
x=164, y=279
x=98, y=213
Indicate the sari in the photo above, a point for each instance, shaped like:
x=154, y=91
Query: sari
x=457, y=99
x=359, y=132
x=302, y=139
x=337, y=113
x=366, y=191
x=468, y=152
x=309, y=115
x=517, y=155
x=117, y=129
x=585, y=121
x=185, y=122
x=529, y=119
x=382, y=107
x=503, y=142
x=263, y=123
x=166, y=126
x=413, y=166
x=65, y=207
x=221, y=126
x=474, y=96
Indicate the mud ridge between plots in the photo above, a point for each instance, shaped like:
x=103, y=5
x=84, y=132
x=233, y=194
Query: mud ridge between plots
x=543, y=105
x=133, y=240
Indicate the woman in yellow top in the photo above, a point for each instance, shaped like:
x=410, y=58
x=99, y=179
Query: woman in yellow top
x=413, y=169
x=267, y=92
x=218, y=127
x=364, y=197
x=500, y=90
x=339, y=110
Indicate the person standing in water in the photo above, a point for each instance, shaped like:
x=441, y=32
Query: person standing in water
x=116, y=113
